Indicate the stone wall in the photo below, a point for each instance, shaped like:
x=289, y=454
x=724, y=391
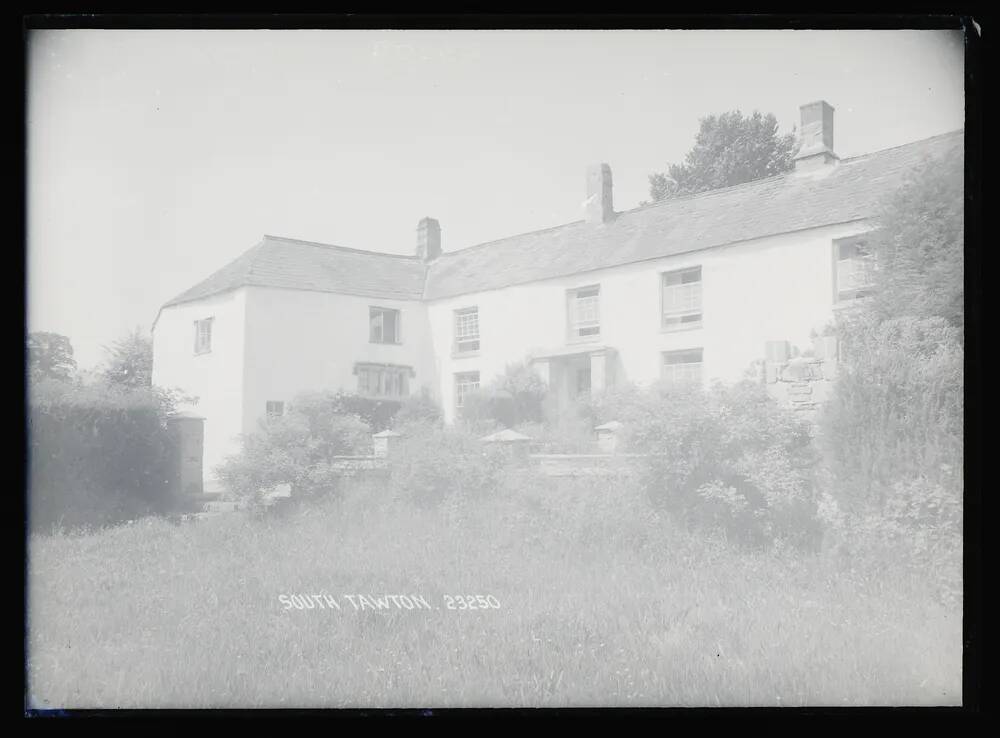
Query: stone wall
x=804, y=381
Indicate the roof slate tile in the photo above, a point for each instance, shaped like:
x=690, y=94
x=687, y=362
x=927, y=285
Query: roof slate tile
x=848, y=192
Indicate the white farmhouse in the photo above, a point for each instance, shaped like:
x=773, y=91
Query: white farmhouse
x=687, y=289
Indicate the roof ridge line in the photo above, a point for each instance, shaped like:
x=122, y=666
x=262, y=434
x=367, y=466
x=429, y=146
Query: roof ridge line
x=904, y=145
x=507, y=238
x=753, y=182
x=322, y=245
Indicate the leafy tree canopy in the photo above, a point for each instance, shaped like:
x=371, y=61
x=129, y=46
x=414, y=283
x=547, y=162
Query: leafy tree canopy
x=129, y=360
x=919, y=247
x=730, y=149
x=50, y=356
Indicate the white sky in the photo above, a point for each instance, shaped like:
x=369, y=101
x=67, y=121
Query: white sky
x=155, y=157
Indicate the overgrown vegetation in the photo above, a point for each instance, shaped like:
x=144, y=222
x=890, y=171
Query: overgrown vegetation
x=603, y=601
x=730, y=460
x=98, y=454
x=919, y=247
x=432, y=466
x=518, y=396
x=298, y=448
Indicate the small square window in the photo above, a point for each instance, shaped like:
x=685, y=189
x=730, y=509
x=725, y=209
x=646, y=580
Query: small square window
x=275, y=408
x=383, y=325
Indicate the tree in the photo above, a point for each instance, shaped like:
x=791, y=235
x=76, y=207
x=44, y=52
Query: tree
x=130, y=360
x=730, y=149
x=918, y=246
x=50, y=356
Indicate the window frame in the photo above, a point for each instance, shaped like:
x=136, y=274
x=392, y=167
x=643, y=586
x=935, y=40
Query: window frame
x=281, y=408
x=573, y=326
x=460, y=396
x=674, y=383
x=858, y=292
x=392, y=381
x=372, y=309
x=457, y=342
x=201, y=348
x=689, y=325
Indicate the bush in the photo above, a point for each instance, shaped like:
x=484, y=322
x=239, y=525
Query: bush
x=98, y=454
x=297, y=448
x=377, y=413
x=730, y=460
x=897, y=410
x=418, y=409
x=892, y=441
x=433, y=465
x=519, y=396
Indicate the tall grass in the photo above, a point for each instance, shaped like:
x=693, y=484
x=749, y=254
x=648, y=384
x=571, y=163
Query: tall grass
x=602, y=603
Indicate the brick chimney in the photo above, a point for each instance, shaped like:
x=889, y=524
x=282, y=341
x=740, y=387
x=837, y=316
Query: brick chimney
x=815, y=137
x=598, y=204
x=428, y=239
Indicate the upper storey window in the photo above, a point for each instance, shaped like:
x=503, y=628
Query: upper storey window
x=383, y=325
x=584, y=313
x=203, y=335
x=855, y=269
x=467, y=330
x=682, y=299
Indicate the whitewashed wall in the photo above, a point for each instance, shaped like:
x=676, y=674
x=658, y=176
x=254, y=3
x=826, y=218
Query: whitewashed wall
x=298, y=340
x=216, y=378
x=776, y=288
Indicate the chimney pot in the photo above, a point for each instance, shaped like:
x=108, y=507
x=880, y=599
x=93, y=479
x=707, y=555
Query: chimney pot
x=428, y=239
x=815, y=136
x=599, y=205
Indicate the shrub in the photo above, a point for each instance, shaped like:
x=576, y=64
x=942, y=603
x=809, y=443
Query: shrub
x=418, y=409
x=897, y=410
x=518, y=396
x=297, y=448
x=377, y=413
x=730, y=460
x=98, y=454
x=433, y=465
x=892, y=440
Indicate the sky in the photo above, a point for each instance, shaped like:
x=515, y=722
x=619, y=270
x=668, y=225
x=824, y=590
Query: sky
x=156, y=157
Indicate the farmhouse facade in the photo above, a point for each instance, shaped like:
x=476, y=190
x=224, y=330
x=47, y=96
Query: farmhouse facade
x=688, y=289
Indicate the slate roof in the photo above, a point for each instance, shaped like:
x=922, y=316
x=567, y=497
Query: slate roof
x=782, y=204
x=304, y=265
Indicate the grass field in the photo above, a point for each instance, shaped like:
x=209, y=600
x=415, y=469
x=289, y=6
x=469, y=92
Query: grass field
x=601, y=604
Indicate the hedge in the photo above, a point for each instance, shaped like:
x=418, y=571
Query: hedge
x=97, y=455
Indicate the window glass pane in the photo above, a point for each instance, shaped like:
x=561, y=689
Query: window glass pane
x=375, y=325
x=465, y=383
x=390, y=319
x=682, y=297
x=682, y=367
x=584, y=311
x=467, y=325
